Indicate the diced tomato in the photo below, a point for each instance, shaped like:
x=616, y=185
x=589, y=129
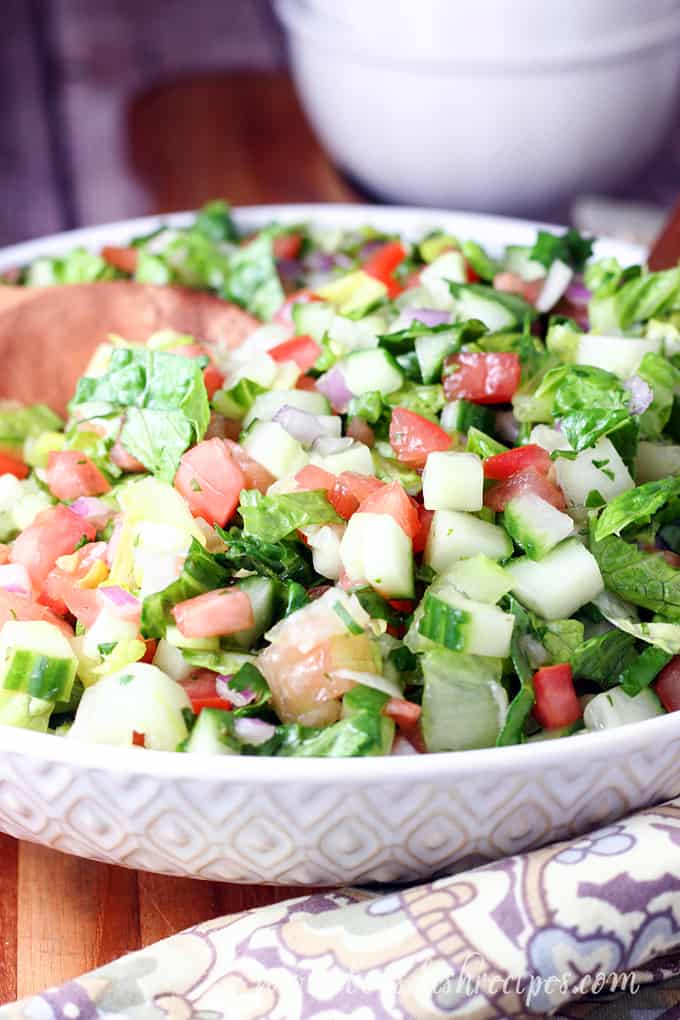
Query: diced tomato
x=124, y=460
x=210, y=481
x=256, y=476
x=20, y=607
x=71, y=474
x=149, y=654
x=311, y=477
x=527, y=481
x=138, y=739
x=413, y=437
x=422, y=534
x=556, y=701
x=301, y=349
x=404, y=713
x=393, y=500
x=64, y=590
x=502, y=465
x=359, y=429
x=350, y=489
x=284, y=316
x=402, y=605
x=305, y=382
x=10, y=465
x=4, y=553
x=482, y=378
x=223, y=611
x=512, y=283
x=382, y=264
x=667, y=685
x=287, y=246
x=55, y=532
x=202, y=692
x=124, y=259
x=470, y=274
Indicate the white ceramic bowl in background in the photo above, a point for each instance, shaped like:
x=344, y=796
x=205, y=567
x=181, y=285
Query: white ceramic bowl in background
x=325, y=821
x=486, y=104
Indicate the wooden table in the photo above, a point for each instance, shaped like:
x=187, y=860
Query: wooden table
x=243, y=137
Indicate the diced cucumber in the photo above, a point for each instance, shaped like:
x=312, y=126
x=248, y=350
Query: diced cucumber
x=355, y=456
x=266, y=405
x=434, y=246
x=261, y=592
x=357, y=334
x=667, y=332
x=371, y=370
x=270, y=445
x=312, y=318
x=498, y=311
x=213, y=733
x=453, y=481
x=455, y=535
x=138, y=699
x=535, y=524
x=170, y=660
x=479, y=578
x=354, y=293
x=449, y=267
x=618, y=354
x=460, y=624
x=324, y=542
x=616, y=708
x=25, y=712
x=517, y=260
x=484, y=446
x=461, y=415
x=37, y=659
x=464, y=705
x=559, y=584
x=655, y=461
x=174, y=636
x=598, y=468
x=375, y=549
x=431, y=350
x=556, y=282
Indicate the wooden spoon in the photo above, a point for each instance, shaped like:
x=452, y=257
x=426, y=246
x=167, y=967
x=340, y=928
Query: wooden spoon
x=665, y=252
x=47, y=335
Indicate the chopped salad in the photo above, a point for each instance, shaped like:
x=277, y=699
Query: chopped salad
x=431, y=503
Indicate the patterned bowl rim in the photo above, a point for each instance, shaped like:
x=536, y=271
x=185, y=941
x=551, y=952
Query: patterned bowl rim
x=489, y=230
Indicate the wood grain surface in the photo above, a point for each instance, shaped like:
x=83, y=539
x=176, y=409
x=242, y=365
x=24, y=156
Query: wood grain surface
x=244, y=137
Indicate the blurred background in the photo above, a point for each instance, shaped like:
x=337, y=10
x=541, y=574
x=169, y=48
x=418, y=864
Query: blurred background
x=560, y=110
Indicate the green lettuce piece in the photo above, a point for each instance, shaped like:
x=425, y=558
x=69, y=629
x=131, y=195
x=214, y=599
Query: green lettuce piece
x=276, y=517
x=637, y=299
x=605, y=275
x=369, y=406
x=388, y=469
x=224, y=661
x=636, y=506
x=590, y=403
x=78, y=266
x=214, y=221
x=425, y=400
x=663, y=378
x=558, y=637
x=201, y=572
x=521, y=704
x=520, y=309
x=603, y=658
x=533, y=401
x=288, y=559
x=641, y=578
x=572, y=248
x=663, y=634
x=165, y=401
x=252, y=280
x=646, y=667
x=18, y=423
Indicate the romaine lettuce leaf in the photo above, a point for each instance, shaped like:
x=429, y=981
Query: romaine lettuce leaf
x=165, y=401
x=78, y=266
x=642, y=578
x=201, y=572
x=18, y=423
x=604, y=657
x=663, y=378
x=636, y=506
x=663, y=634
x=276, y=517
x=288, y=559
x=639, y=674
x=620, y=303
x=252, y=280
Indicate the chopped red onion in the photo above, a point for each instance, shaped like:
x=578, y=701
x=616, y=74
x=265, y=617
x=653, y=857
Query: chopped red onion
x=534, y=650
x=326, y=446
x=253, y=731
x=289, y=269
x=369, y=248
x=94, y=510
x=402, y=746
x=120, y=602
x=114, y=541
x=641, y=394
x=15, y=578
x=507, y=426
x=302, y=425
x=577, y=293
x=324, y=262
x=334, y=387
x=237, y=698
x=555, y=284
x=428, y=316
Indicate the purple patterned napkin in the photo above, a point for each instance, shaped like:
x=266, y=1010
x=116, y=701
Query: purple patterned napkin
x=595, y=917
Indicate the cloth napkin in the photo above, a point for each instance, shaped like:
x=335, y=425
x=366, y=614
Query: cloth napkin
x=518, y=938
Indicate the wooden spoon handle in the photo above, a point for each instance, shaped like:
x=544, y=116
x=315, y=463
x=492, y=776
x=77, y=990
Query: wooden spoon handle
x=665, y=252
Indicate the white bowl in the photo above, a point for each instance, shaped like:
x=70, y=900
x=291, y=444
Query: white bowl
x=328, y=821
x=508, y=107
